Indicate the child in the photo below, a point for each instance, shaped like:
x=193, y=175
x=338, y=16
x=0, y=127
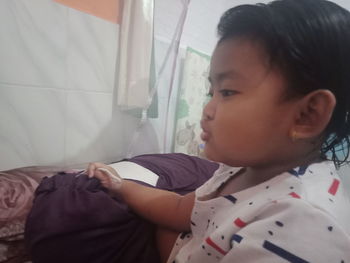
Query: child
x=280, y=77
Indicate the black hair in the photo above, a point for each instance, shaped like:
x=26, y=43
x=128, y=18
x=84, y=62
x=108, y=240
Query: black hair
x=309, y=40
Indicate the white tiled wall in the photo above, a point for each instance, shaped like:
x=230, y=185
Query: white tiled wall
x=91, y=53
x=31, y=119
x=33, y=37
x=57, y=69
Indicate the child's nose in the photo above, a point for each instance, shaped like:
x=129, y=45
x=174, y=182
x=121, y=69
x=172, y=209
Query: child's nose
x=209, y=110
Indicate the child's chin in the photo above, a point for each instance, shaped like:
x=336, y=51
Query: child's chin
x=210, y=155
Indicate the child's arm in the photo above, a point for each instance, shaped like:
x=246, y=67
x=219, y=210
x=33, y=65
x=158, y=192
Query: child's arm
x=161, y=207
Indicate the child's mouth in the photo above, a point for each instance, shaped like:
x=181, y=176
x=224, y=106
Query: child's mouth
x=205, y=136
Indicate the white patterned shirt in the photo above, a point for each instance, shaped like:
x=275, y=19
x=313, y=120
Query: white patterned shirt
x=299, y=216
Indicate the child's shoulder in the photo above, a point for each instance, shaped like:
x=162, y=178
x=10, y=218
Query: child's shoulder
x=315, y=192
x=318, y=190
x=322, y=187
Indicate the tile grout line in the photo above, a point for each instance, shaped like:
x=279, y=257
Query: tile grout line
x=26, y=86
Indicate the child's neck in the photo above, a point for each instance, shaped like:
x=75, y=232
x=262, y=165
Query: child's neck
x=259, y=174
x=252, y=176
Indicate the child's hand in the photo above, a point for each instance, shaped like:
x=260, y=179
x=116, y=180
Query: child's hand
x=108, y=177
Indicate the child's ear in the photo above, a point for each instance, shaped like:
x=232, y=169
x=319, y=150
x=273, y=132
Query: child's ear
x=313, y=114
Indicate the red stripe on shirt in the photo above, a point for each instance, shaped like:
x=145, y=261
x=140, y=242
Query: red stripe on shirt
x=334, y=187
x=215, y=246
x=238, y=222
x=295, y=195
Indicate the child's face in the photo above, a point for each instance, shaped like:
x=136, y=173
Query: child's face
x=247, y=122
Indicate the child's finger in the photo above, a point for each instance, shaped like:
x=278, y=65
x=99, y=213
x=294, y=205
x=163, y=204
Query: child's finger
x=114, y=179
x=100, y=175
x=91, y=170
x=106, y=171
x=93, y=167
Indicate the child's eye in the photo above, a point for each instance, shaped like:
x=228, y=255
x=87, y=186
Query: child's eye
x=227, y=92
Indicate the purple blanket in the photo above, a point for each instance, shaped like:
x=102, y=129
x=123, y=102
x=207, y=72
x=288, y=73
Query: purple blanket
x=73, y=219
